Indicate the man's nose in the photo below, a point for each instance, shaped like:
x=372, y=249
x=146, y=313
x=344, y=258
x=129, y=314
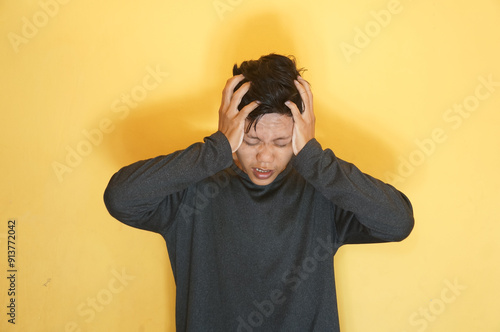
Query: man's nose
x=265, y=153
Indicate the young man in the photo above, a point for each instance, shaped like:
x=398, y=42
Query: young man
x=253, y=216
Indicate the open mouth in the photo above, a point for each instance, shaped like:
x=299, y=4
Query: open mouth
x=262, y=173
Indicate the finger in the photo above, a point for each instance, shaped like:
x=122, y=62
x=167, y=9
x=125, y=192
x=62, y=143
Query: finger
x=307, y=87
x=295, y=110
x=305, y=83
x=241, y=120
x=248, y=109
x=305, y=91
x=238, y=96
x=297, y=117
x=228, y=90
x=306, y=95
x=233, y=82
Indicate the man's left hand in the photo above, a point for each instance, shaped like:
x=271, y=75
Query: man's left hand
x=303, y=127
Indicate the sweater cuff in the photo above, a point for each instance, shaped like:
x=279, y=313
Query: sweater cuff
x=307, y=156
x=221, y=144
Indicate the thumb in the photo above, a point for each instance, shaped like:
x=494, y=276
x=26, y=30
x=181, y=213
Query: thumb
x=240, y=121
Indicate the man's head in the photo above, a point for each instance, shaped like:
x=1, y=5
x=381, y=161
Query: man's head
x=272, y=78
x=267, y=144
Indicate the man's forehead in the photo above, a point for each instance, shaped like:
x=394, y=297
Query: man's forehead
x=274, y=138
x=272, y=125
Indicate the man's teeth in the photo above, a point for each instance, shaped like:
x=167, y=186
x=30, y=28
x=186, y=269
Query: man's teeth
x=260, y=170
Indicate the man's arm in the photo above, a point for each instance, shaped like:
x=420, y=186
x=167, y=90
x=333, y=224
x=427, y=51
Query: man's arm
x=136, y=191
x=371, y=210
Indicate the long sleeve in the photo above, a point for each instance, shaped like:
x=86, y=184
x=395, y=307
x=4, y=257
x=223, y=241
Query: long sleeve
x=369, y=209
x=137, y=191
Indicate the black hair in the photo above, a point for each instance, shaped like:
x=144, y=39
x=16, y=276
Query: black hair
x=272, y=78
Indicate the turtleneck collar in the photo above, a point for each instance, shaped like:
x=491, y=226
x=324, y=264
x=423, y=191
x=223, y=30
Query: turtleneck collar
x=250, y=185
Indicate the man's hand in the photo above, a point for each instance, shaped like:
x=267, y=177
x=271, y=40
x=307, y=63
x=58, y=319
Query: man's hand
x=232, y=121
x=303, y=127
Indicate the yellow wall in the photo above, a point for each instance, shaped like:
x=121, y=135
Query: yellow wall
x=401, y=89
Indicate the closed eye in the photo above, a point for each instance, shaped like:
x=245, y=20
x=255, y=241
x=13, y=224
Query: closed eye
x=282, y=143
x=253, y=143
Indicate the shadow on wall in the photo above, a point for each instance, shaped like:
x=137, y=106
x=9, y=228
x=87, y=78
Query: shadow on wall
x=182, y=120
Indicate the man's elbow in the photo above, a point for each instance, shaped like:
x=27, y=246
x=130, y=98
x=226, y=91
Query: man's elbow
x=405, y=227
x=113, y=201
x=404, y=219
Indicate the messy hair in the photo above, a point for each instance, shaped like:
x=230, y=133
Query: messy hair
x=272, y=79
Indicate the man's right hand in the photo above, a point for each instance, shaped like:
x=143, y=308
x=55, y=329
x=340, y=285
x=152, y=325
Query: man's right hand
x=232, y=121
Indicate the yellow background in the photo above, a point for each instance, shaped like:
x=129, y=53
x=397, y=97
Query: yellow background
x=384, y=88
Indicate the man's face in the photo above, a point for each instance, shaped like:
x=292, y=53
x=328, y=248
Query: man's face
x=266, y=149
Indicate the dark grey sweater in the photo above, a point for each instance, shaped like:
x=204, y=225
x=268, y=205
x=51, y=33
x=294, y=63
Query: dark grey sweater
x=256, y=258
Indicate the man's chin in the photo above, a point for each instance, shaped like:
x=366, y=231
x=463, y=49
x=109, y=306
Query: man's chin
x=262, y=181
